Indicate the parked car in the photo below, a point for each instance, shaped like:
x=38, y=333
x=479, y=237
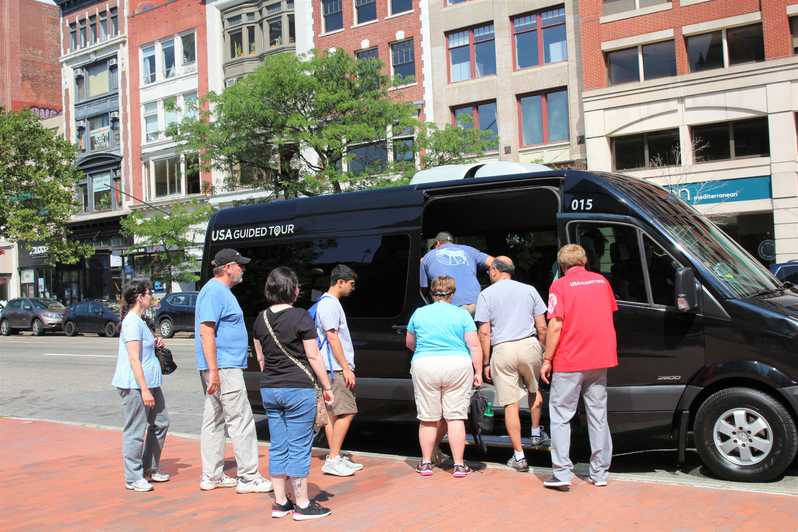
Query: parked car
x=175, y=313
x=32, y=313
x=92, y=316
x=786, y=271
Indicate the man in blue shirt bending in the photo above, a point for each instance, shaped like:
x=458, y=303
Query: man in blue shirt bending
x=458, y=261
x=221, y=342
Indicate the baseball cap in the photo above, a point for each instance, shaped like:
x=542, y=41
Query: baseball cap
x=444, y=236
x=227, y=255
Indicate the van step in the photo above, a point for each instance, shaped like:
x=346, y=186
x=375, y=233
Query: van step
x=492, y=440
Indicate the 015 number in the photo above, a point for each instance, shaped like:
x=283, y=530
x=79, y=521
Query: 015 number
x=582, y=205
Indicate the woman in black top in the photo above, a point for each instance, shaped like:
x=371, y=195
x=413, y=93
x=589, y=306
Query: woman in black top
x=288, y=391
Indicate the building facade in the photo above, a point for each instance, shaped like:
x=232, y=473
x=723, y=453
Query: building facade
x=700, y=96
x=511, y=68
x=94, y=70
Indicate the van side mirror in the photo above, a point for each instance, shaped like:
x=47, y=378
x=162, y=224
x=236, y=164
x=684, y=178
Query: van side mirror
x=686, y=290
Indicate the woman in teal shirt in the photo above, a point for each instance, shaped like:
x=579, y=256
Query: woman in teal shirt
x=446, y=365
x=138, y=379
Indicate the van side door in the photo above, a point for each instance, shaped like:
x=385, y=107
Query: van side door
x=659, y=348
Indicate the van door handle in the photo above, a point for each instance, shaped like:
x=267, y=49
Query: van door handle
x=399, y=329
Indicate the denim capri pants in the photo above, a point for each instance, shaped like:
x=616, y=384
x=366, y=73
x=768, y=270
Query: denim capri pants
x=291, y=413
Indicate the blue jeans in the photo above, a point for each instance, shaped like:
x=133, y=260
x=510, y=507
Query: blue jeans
x=291, y=414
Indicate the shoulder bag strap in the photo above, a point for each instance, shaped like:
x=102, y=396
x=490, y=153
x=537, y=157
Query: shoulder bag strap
x=285, y=352
x=329, y=346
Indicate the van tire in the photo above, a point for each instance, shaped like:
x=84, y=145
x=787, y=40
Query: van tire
x=166, y=328
x=773, y=449
x=37, y=327
x=70, y=328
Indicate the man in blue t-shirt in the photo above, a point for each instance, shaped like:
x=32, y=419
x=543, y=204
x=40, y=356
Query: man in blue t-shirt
x=221, y=341
x=457, y=261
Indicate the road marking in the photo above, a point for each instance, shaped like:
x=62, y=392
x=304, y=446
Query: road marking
x=75, y=355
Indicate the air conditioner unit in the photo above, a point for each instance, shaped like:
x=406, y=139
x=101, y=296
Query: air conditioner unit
x=112, y=62
x=114, y=115
x=229, y=82
x=81, y=124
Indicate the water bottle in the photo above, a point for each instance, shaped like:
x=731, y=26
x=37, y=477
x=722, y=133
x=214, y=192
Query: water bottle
x=488, y=409
x=487, y=418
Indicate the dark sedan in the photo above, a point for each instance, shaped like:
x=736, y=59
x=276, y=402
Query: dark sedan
x=786, y=271
x=175, y=313
x=94, y=316
x=31, y=313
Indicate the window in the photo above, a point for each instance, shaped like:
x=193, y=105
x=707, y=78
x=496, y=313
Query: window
x=98, y=79
x=365, y=11
x=236, y=44
x=167, y=176
x=647, y=150
x=613, y=251
x=275, y=32
x=731, y=140
x=101, y=190
x=742, y=45
x=103, y=25
x=619, y=6
x=171, y=112
x=83, y=33
x=374, y=258
x=544, y=118
x=99, y=132
x=403, y=61
x=189, y=49
x=80, y=87
x=73, y=36
x=534, y=47
x=333, y=16
x=370, y=53
x=114, y=30
x=151, y=131
x=251, y=44
x=369, y=157
x=291, y=30
x=93, y=28
x=661, y=273
x=649, y=61
x=148, y=64
x=193, y=180
x=190, y=103
x=793, y=32
x=403, y=144
x=481, y=115
x=472, y=53
x=400, y=6
x=168, y=57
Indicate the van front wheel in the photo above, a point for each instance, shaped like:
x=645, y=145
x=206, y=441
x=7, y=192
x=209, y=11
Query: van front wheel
x=745, y=435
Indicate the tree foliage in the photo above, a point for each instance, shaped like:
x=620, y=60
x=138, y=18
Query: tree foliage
x=37, y=186
x=292, y=119
x=453, y=144
x=168, y=236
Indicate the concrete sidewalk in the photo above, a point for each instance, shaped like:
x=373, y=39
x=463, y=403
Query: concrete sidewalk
x=58, y=476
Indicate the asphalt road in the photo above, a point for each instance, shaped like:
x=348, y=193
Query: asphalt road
x=69, y=379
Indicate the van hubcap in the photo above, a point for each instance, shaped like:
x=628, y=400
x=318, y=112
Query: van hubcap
x=166, y=328
x=743, y=436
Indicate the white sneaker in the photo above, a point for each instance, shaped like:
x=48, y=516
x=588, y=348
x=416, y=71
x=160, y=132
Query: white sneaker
x=140, y=485
x=259, y=485
x=597, y=483
x=208, y=484
x=354, y=466
x=336, y=466
x=157, y=476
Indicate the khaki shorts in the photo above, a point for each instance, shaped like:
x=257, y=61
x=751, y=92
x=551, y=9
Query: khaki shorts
x=442, y=387
x=514, y=367
x=344, y=401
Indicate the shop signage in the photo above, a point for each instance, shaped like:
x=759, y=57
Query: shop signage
x=26, y=276
x=723, y=190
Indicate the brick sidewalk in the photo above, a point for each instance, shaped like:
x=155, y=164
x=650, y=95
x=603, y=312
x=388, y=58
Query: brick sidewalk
x=58, y=476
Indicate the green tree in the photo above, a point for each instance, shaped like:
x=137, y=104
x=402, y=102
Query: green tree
x=37, y=187
x=172, y=233
x=289, y=122
x=453, y=144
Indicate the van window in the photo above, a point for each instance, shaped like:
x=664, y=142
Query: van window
x=613, y=251
x=380, y=261
x=661, y=273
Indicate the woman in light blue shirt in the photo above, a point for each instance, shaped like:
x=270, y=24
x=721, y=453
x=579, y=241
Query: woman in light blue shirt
x=138, y=378
x=446, y=365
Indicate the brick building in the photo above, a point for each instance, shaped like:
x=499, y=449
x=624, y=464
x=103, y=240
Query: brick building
x=700, y=96
x=30, y=77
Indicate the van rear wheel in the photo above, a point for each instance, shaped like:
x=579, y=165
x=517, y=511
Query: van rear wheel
x=745, y=435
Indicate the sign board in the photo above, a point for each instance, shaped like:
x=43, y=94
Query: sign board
x=723, y=190
x=26, y=276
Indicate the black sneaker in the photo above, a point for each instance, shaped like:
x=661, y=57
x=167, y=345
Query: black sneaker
x=519, y=465
x=311, y=511
x=281, y=510
x=424, y=469
x=555, y=484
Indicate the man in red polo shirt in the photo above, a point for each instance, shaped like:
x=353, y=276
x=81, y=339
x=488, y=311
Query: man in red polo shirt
x=580, y=345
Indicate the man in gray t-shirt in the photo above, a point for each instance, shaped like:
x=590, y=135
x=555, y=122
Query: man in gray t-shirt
x=512, y=329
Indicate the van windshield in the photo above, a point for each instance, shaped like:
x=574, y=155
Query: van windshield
x=736, y=271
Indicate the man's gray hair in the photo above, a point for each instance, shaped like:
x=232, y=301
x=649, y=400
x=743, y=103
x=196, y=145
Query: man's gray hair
x=217, y=270
x=503, y=266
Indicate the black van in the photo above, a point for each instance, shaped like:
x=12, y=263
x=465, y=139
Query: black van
x=707, y=337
